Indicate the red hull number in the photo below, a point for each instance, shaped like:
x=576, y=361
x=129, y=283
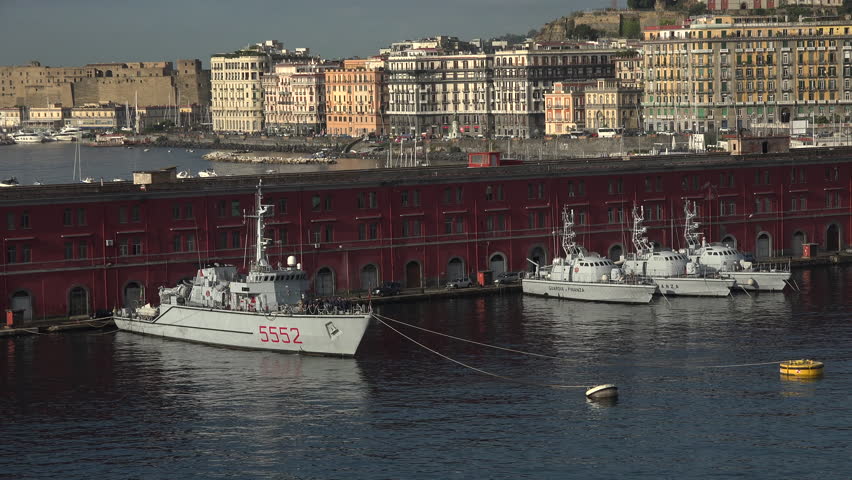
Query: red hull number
x=270, y=333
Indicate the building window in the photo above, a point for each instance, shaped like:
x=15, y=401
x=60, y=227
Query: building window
x=83, y=249
x=11, y=254
x=81, y=216
x=416, y=195
x=26, y=253
x=136, y=246
x=175, y=212
x=373, y=199
x=25, y=219
x=222, y=240
x=221, y=208
x=177, y=243
x=328, y=233
x=122, y=214
x=235, y=208
x=282, y=206
x=188, y=212
x=10, y=221
x=67, y=217
x=316, y=203
x=235, y=239
x=69, y=250
x=135, y=215
x=123, y=247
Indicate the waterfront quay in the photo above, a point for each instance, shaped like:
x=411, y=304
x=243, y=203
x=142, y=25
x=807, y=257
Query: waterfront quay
x=74, y=250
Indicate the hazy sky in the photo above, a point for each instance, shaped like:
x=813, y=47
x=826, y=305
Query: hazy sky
x=76, y=32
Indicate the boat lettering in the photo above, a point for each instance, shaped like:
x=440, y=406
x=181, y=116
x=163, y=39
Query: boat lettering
x=270, y=333
x=561, y=288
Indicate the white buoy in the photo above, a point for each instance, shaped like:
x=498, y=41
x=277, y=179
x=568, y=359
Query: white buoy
x=607, y=390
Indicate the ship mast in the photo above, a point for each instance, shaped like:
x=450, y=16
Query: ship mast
x=260, y=209
x=690, y=231
x=568, y=235
x=640, y=241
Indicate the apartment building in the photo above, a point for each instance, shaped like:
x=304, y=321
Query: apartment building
x=630, y=70
x=565, y=108
x=237, y=84
x=432, y=92
x=609, y=104
x=294, y=98
x=356, y=98
x=748, y=72
x=102, y=116
x=523, y=76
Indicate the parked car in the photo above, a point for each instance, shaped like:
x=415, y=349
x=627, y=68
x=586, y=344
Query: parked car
x=387, y=289
x=507, y=278
x=463, y=282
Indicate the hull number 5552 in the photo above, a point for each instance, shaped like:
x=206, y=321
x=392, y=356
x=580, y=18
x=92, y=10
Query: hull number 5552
x=269, y=333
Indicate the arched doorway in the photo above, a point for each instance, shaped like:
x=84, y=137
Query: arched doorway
x=764, y=246
x=497, y=264
x=78, y=301
x=832, y=238
x=729, y=241
x=412, y=274
x=133, y=295
x=369, y=277
x=21, y=300
x=615, y=252
x=455, y=268
x=799, y=239
x=324, y=282
x=539, y=256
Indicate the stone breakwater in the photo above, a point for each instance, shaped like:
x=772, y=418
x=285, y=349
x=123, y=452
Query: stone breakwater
x=248, y=157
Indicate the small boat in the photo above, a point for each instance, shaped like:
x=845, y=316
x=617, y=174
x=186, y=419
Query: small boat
x=37, y=182
x=670, y=270
x=146, y=149
x=116, y=179
x=88, y=180
x=27, y=137
x=583, y=275
x=69, y=134
x=267, y=308
x=185, y=174
x=728, y=262
x=9, y=182
x=208, y=172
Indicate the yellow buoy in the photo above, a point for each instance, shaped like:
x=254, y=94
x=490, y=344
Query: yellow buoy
x=802, y=368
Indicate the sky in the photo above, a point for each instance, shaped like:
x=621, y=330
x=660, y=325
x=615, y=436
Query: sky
x=77, y=32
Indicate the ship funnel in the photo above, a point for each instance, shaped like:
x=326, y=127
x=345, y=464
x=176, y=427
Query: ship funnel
x=291, y=261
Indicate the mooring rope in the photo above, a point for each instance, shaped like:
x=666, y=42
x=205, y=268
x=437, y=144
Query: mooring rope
x=469, y=341
x=739, y=365
x=380, y=318
x=479, y=370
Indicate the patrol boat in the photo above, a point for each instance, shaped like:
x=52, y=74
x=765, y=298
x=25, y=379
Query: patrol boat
x=582, y=275
x=263, y=310
x=672, y=271
x=727, y=262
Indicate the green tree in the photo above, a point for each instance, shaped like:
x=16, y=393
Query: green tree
x=640, y=4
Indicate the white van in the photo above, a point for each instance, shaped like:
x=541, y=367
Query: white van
x=608, y=132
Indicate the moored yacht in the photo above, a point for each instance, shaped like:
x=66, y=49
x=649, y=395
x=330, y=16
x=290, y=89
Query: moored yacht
x=582, y=275
x=670, y=270
x=727, y=262
x=207, y=172
x=69, y=134
x=266, y=309
x=27, y=137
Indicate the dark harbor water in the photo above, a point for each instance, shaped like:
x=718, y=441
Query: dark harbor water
x=91, y=405
x=54, y=162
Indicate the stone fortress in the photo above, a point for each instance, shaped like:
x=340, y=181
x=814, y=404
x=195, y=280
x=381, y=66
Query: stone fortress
x=153, y=83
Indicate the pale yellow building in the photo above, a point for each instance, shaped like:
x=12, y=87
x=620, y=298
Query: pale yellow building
x=609, y=104
x=236, y=91
x=51, y=116
x=756, y=73
x=105, y=116
x=11, y=118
